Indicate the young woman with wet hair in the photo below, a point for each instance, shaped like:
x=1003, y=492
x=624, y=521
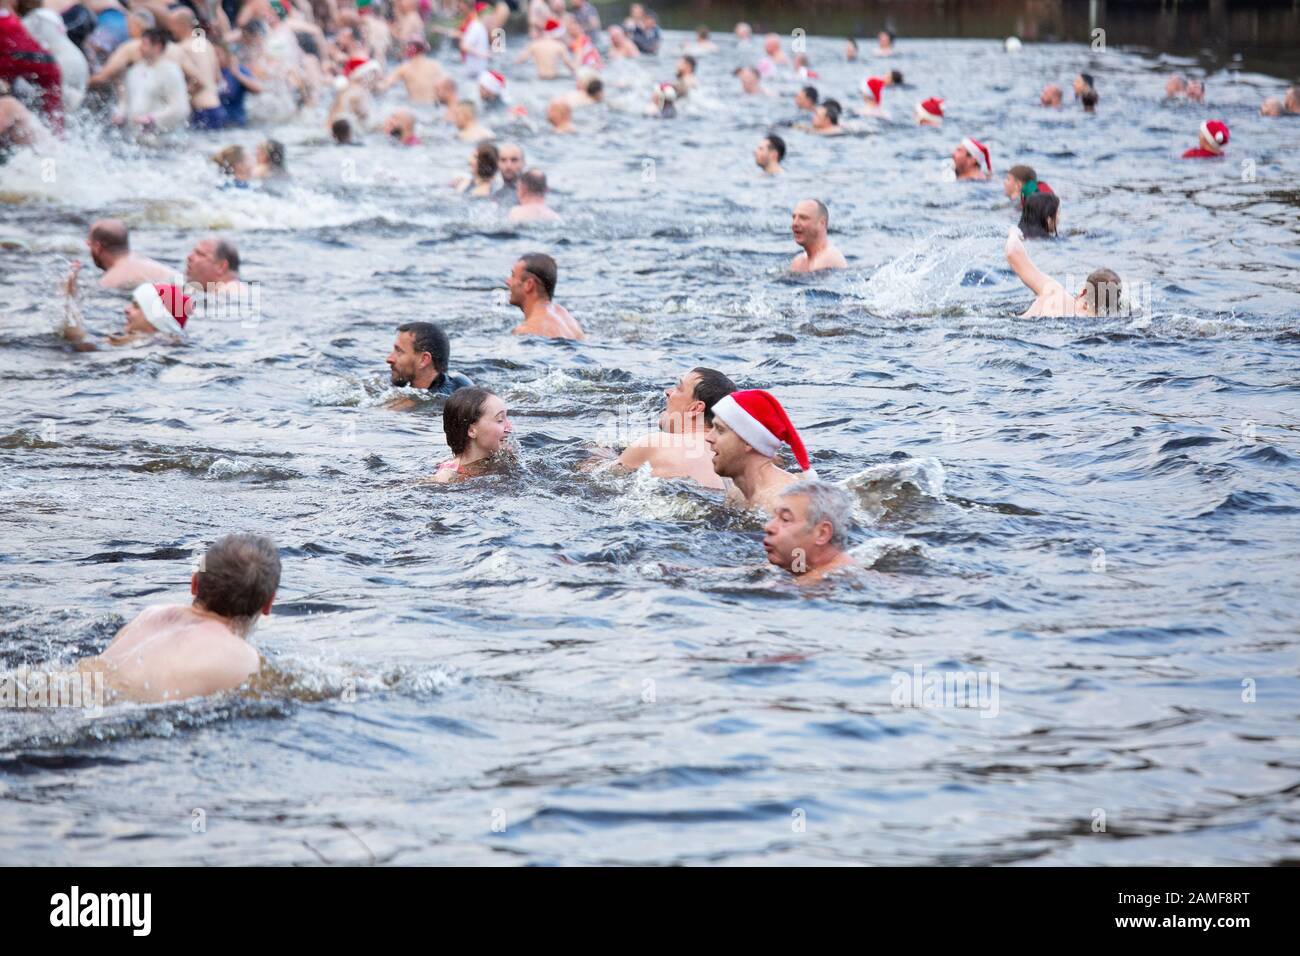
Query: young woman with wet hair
x=477, y=424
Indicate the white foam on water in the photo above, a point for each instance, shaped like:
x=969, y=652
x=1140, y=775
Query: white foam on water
x=874, y=488
x=926, y=277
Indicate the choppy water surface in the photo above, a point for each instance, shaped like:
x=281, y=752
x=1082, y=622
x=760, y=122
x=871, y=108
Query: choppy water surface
x=601, y=667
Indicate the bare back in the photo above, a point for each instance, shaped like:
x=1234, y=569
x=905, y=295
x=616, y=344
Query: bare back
x=173, y=652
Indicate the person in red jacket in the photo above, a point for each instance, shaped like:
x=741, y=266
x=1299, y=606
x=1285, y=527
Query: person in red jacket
x=1214, y=137
x=21, y=57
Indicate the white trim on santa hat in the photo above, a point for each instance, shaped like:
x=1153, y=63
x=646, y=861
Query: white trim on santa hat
x=492, y=81
x=157, y=314
x=1215, y=145
x=753, y=432
x=923, y=114
x=977, y=152
x=553, y=28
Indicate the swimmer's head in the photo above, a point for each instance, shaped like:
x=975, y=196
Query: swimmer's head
x=532, y=185
x=1051, y=95
x=559, y=113
x=810, y=524
x=464, y=114
x=1015, y=180
x=475, y=417
x=850, y=49
x=533, y=277
x=806, y=98
x=485, y=159
x=445, y=91
x=886, y=39
x=1100, y=295
x=152, y=43
x=809, y=221
x=233, y=162
x=212, y=260
x=270, y=153
x=1082, y=82
x=771, y=44
x=749, y=78
x=743, y=31
x=237, y=579
x=109, y=239
x=595, y=88
x=827, y=114
x=1039, y=216
x=341, y=130
x=1291, y=102
x=421, y=352
x=689, y=402
x=1175, y=86
x=770, y=151
x=510, y=161
x=686, y=66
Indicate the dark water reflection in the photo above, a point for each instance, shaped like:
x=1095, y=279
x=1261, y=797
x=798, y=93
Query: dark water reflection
x=1100, y=513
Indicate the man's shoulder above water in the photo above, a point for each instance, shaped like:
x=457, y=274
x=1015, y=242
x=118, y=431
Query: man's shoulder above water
x=449, y=382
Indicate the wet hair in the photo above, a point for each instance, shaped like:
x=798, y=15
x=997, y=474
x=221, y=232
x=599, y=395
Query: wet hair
x=702, y=33
x=342, y=131
x=112, y=234
x=895, y=76
x=891, y=34
x=711, y=388
x=274, y=153
x=542, y=268
x=428, y=337
x=1038, y=209
x=777, y=143
x=812, y=94
x=534, y=181
x=486, y=160
x=1023, y=173
x=826, y=502
x=464, y=407
x=689, y=59
x=1089, y=99
x=1103, y=290
x=594, y=86
x=852, y=42
x=157, y=36
x=238, y=575
x=833, y=110
x=1087, y=78
x=227, y=252
x=228, y=158
x=307, y=43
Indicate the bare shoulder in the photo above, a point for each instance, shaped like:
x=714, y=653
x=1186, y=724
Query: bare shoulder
x=799, y=263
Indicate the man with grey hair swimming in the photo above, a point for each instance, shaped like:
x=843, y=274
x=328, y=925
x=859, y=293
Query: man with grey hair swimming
x=173, y=652
x=809, y=529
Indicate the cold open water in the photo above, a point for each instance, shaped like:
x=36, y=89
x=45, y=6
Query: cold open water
x=550, y=666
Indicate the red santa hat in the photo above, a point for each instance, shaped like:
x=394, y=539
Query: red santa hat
x=492, y=81
x=871, y=87
x=760, y=421
x=666, y=92
x=930, y=110
x=166, y=307
x=977, y=151
x=553, y=28
x=354, y=64
x=1215, y=133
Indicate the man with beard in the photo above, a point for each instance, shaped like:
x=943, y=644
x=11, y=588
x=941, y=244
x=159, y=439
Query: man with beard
x=420, y=355
x=109, y=243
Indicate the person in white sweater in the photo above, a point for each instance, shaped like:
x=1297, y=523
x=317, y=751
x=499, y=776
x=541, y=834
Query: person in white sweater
x=154, y=98
x=47, y=29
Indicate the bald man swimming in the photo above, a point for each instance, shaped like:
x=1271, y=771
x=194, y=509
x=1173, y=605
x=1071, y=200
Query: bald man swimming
x=809, y=224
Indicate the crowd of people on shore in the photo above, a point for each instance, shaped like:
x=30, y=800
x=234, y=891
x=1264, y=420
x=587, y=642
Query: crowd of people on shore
x=149, y=70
